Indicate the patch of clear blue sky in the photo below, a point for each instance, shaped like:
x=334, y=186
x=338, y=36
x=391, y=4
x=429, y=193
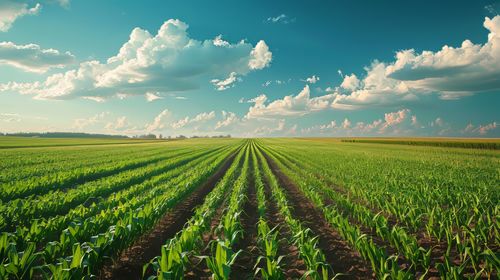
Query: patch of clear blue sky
x=326, y=36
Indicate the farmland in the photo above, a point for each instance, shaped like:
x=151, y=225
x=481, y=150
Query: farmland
x=248, y=208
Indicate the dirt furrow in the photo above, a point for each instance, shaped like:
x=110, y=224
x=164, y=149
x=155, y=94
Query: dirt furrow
x=130, y=262
x=293, y=266
x=339, y=255
x=243, y=267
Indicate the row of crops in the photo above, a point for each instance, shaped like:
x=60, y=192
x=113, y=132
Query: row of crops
x=275, y=209
x=492, y=144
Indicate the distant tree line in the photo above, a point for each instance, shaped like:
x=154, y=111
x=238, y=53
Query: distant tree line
x=96, y=135
x=63, y=135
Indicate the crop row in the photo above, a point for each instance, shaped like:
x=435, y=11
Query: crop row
x=472, y=247
x=86, y=244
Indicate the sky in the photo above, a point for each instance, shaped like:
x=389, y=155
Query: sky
x=251, y=68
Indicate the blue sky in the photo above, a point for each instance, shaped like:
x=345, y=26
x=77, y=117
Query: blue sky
x=251, y=68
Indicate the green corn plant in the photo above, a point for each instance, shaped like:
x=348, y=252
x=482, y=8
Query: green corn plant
x=269, y=244
x=20, y=265
x=171, y=264
x=221, y=260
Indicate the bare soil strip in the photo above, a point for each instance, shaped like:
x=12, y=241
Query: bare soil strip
x=130, y=262
x=293, y=266
x=199, y=269
x=243, y=267
x=338, y=254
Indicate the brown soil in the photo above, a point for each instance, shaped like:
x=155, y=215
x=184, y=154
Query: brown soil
x=293, y=266
x=243, y=266
x=130, y=262
x=198, y=268
x=338, y=254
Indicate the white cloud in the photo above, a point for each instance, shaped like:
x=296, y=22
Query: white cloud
x=158, y=122
x=282, y=18
x=301, y=104
x=151, y=96
x=451, y=73
x=202, y=117
x=219, y=42
x=395, y=118
x=229, y=118
x=226, y=83
x=266, y=83
x=167, y=62
x=414, y=120
x=346, y=123
x=312, y=80
x=32, y=58
x=11, y=10
x=260, y=56
x=267, y=130
x=437, y=122
x=277, y=82
x=82, y=123
x=481, y=129
x=10, y=117
x=120, y=123
x=393, y=123
x=350, y=82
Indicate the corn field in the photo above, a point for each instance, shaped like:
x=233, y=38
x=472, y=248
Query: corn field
x=250, y=209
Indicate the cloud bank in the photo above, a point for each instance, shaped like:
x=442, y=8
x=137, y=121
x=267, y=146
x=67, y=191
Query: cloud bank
x=10, y=11
x=32, y=58
x=169, y=61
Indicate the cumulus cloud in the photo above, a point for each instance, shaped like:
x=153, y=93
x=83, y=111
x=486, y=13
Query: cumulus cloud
x=152, y=96
x=482, y=129
x=290, y=105
x=32, y=57
x=282, y=18
x=202, y=117
x=120, y=123
x=226, y=83
x=350, y=82
x=394, y=118
x=228, y=118
x=393, y=123
x=10, y=117
x=312, y=80
x=267, y=130
x=82, y=123
x=277, y=82
x=452, y=72
x=169, y=61
x=346, y=123
x=10, y=11
x=158, y=122
x=260, y=56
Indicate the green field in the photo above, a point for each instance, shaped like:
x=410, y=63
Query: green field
x=247, y=208
x=483, y=143
x=26, y=142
